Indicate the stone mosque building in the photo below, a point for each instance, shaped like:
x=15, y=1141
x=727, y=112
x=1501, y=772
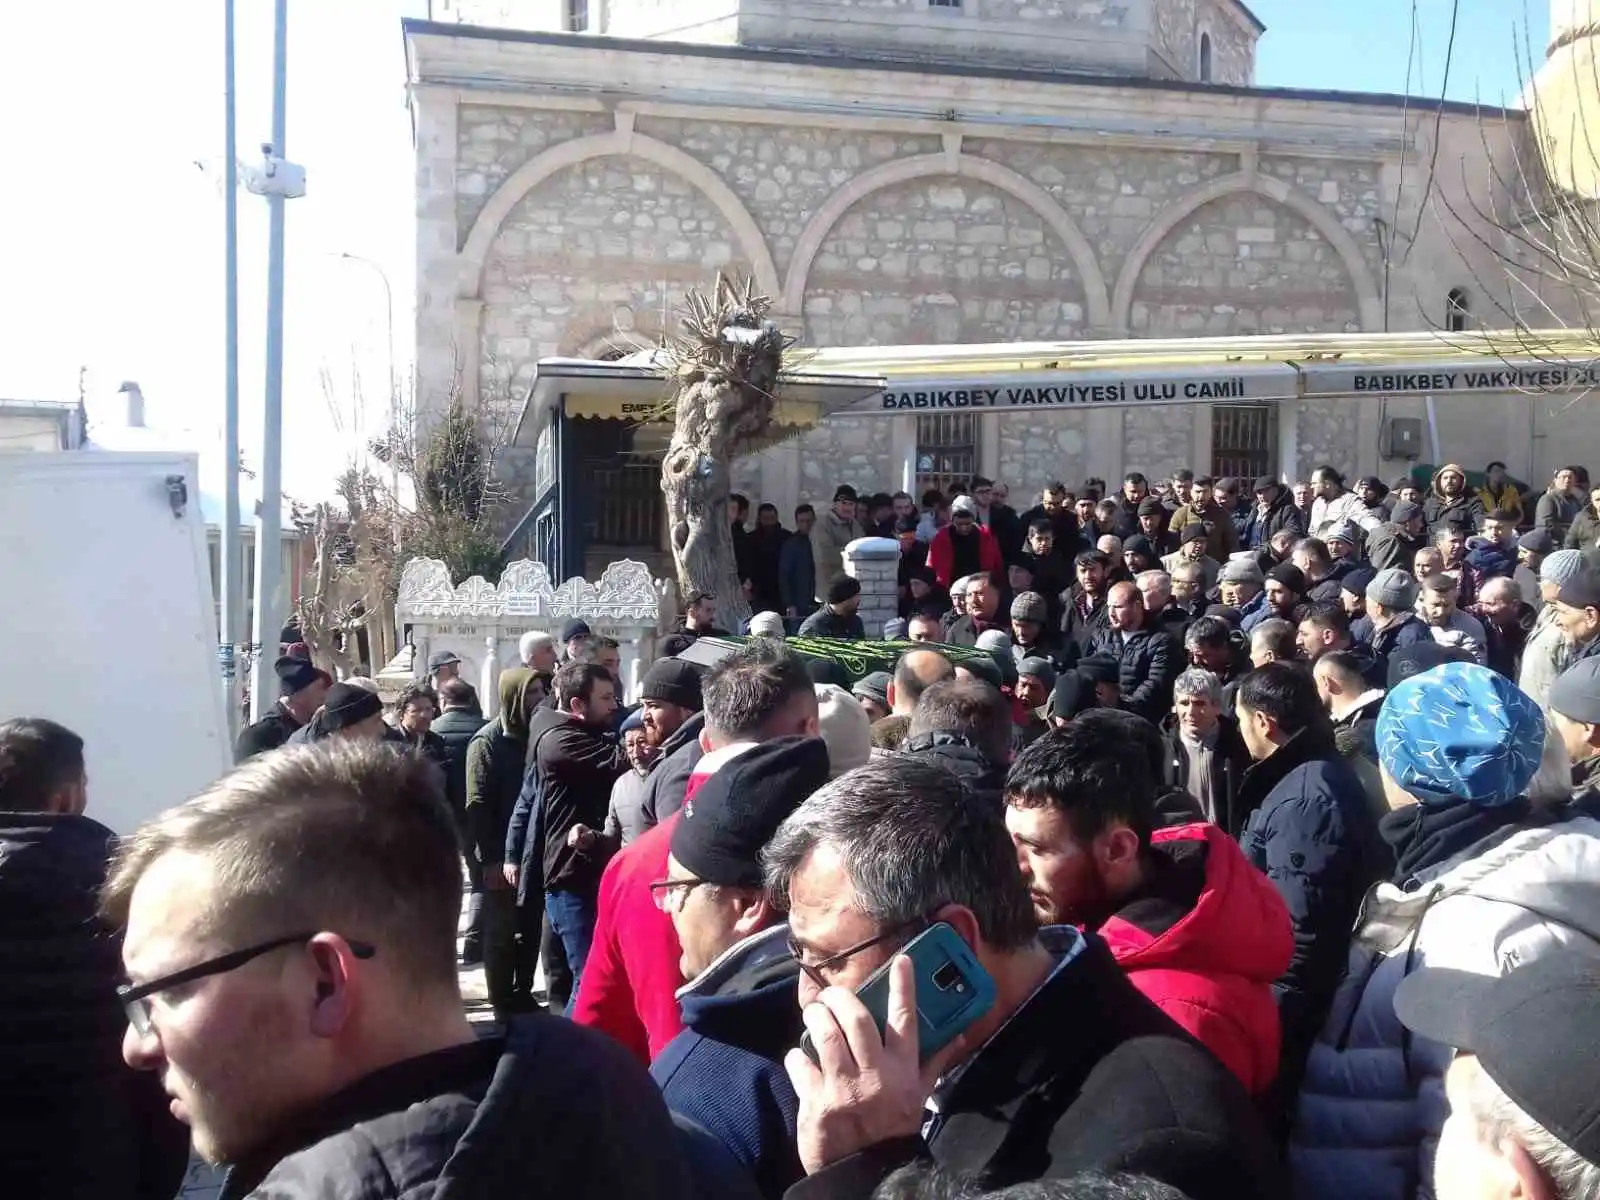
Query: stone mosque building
x=900, y=172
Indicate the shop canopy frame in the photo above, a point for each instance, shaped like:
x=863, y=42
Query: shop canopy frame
x=1147, y=372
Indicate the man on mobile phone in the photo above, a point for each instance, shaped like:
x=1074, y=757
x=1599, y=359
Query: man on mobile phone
x=1071, y=1070
x=725, y=1071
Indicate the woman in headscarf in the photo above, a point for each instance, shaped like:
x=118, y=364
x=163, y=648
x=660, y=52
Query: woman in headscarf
x=496, y=762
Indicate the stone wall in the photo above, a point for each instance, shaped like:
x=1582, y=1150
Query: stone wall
x=1034, y=453
x=949, y=260
x=1174, y=36
x=491, y=143
x=853, y=450
x=1328, y=433
x=1233, y=51
x=1244, y=265
x=1157, y=441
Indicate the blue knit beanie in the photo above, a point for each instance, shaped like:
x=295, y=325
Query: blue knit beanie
x=1460, y=732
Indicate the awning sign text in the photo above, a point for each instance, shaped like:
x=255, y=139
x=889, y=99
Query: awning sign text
x=1066, y=396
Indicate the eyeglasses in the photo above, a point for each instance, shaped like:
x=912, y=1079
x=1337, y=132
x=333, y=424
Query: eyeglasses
x=670, y=894
x=818, y=972
x=135, y=998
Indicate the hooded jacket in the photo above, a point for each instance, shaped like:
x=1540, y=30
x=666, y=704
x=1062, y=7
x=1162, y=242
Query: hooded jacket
x=75, y=1120
x=1373, y=1101
x=1260, y=527
x=541, y=1112
x=1463, y=511
x=1390, y=545
x=725, y=1070
x=1205, y=939
x=496, y=761
x=1311, y=833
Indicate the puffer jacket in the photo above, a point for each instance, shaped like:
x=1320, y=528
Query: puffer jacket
x=1204, y=941
x=1311, y=833
x=75, y=1120
x=1373, y=1100
x=958, y=754
x=1584, y=533
x=1149, y=660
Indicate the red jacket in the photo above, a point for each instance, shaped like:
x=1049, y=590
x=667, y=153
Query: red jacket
x=942, y=557
x=631, y=977
x=1210, y=962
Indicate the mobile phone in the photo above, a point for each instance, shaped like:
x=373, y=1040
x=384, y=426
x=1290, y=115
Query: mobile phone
x=953, y=990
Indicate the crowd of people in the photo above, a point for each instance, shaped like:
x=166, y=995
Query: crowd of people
x=1248, y=846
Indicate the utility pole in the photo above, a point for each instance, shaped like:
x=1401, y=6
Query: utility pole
x=229, y=552
x=279, y=181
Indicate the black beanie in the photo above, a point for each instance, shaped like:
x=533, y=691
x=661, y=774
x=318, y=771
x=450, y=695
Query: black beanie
x=1072, y=695
x=735, y=813
x=348, y=705
x=672, y=681
x=842, y=588
x=296, y=675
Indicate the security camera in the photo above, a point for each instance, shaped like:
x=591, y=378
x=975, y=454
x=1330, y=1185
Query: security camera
x=276, y=176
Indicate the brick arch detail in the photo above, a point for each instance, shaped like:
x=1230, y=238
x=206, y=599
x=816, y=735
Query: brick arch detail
x=620, y=143
x=965, y=166
x=1368, y=300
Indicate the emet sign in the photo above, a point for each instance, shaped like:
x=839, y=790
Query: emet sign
x=1265, y=382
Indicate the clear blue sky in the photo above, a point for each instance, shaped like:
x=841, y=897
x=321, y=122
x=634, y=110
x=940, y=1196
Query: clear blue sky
x=1364, y=45
x=110, y=250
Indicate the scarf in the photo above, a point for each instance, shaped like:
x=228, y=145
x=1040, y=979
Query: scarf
x=1425, y=837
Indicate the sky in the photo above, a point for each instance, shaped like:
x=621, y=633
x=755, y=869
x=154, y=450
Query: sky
x=111, y=233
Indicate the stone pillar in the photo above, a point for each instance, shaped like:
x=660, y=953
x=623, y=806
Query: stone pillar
x=875, y=563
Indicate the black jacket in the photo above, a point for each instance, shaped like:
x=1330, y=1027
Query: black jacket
x=1150, y=661
x=1080, y=631
x=669, y=777
x=1463, y=512
x=576, y=767
x=1052, y=575
x=957, y=753
x=1310, y=831
x=455, y=730
x=1230, y=760
x=553, y=1110
x=269, y=733
x=1391, y=546
x=1087, y=1076
x=75, y=1120
x=1260, y=527
x=829, y=624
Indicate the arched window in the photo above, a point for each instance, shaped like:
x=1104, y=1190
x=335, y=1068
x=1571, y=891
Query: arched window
x=1457, y=310
x=1205, y=58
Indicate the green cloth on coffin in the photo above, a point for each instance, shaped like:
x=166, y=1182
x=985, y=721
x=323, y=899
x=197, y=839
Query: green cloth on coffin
x=857, y=659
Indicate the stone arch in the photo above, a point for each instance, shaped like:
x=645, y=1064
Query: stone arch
x=1368, y=300
x=966, y=166
x=620, y=143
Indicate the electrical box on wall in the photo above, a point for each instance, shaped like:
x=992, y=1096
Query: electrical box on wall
x=1403, y=438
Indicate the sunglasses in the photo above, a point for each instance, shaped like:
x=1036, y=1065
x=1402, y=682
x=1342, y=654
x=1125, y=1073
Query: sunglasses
x=135, y=999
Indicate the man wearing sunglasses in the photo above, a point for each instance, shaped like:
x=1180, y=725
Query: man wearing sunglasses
x=1070, y=1070
x=290, y=951
x=725, y=1071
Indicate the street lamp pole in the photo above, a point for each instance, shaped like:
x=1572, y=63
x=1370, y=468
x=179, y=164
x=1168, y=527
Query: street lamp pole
x=228, y=551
